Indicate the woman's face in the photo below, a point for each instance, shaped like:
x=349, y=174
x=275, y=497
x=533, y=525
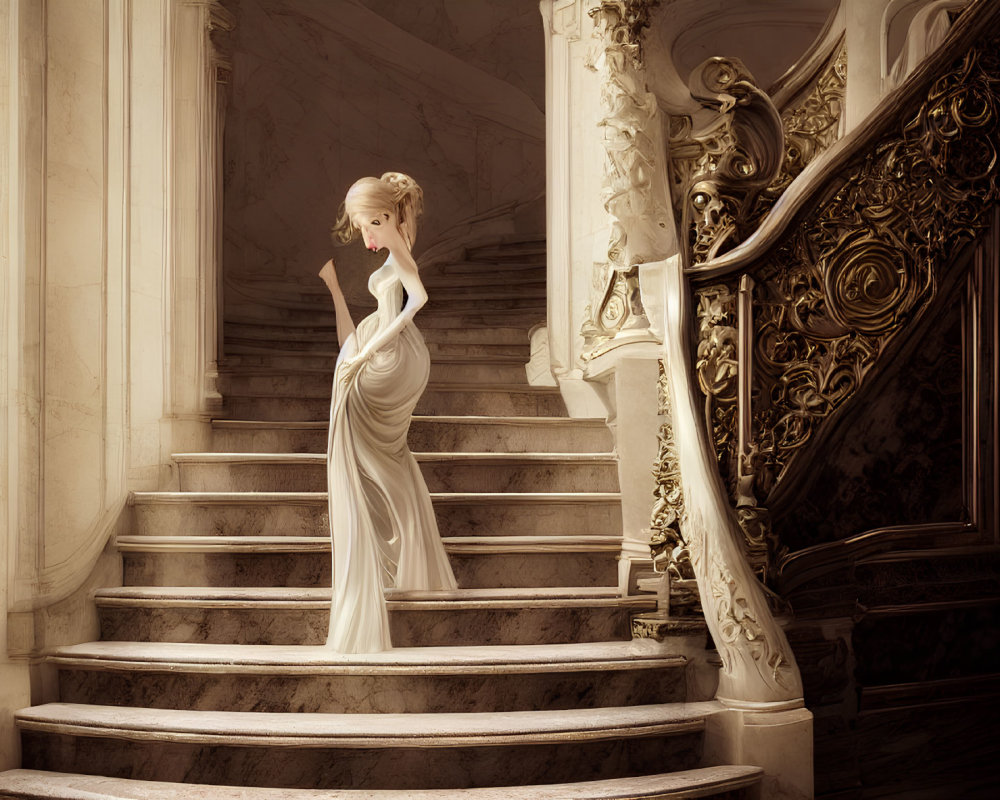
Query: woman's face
x=377, y=228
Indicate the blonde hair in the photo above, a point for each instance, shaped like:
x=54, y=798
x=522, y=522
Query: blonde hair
x=394, y=192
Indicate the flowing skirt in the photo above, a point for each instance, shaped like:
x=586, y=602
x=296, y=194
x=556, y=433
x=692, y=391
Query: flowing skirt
x=382, y=524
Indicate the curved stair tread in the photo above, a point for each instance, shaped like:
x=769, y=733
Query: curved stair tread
x=370, y=731
x=472, y=419
x=432, y=386
x=303, y=544
x=681, y=785
x=485, y=458
x=270, y=498
x=319, y=597
x=299, y=659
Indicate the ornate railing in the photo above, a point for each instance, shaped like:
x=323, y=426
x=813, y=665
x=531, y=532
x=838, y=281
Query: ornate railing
x=806, y=304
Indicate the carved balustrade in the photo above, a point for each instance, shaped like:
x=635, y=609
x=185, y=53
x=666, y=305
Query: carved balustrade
x=801, y=292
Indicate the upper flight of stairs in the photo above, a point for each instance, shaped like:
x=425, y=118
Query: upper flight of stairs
x=210, y=680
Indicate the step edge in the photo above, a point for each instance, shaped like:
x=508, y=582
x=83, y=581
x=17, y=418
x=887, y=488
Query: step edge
x=366, y=730
x=665, y=786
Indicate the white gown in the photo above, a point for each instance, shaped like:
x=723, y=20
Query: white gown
x=382, y=524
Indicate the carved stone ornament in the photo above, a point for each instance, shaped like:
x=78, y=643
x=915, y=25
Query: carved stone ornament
x=632, y=185
x=866, y=260
x=669, y=550
x=719, y=170
x=623, y=21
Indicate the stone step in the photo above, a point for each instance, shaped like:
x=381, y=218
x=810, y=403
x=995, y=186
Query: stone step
x=526, y=249
x=471, y=302
x=515, y=293
x=326, y=345
x=271, y=615
x=526, y=285
x=437, y=399
x=363, y=751
x=486, y=279
x=487, y=282
x=315, y=378
x=478, y=561
x=326, y=328
x=210, y=677
x=457, y=434
x=443, y=472
x=305, y=513
x=721, y=783
x=281, y=309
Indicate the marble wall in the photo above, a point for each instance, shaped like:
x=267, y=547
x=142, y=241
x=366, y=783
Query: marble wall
x=325, y=91
x=102, y=311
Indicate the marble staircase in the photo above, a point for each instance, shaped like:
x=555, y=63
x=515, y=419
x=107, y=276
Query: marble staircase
x=210, y=680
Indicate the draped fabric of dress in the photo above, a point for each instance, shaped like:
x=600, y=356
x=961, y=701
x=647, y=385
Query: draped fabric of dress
x=383, y=528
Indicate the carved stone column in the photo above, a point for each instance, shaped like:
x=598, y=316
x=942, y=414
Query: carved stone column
x=634, y=191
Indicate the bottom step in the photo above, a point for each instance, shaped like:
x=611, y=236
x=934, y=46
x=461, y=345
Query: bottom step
x=364, y=751
x=718, y=783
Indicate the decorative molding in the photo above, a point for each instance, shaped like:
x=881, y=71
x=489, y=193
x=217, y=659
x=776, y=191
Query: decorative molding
x=634, y=177
x=670, y=553
x=623, y=22
x=567, y=18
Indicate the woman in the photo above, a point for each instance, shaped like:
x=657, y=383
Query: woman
x=382, y=524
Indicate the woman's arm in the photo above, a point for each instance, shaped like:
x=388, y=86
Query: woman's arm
x=345, y=325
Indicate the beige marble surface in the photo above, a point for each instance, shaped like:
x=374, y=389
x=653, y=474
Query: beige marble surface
x=681, y=785
x=432, y=659
x=367, y=730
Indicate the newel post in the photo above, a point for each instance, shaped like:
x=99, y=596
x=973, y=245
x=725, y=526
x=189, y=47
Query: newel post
x=766, y=722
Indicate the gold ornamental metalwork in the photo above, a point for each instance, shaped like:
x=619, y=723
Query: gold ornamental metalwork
x=857, y=269
x=810, y=126
x=865, y=263
x=719, y=170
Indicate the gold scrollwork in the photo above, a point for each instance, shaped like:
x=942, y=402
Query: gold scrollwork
x=719, y=170
x=716, y=365
x=867, y=260
x=811, y=126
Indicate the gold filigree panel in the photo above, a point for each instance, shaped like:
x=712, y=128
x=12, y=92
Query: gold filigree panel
x=862, y=264
x=810, y=126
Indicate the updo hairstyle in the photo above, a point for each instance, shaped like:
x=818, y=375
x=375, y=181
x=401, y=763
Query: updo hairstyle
x=394, y=192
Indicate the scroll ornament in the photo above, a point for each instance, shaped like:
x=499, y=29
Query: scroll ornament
x=867, y=260
x=810, y=126
x=719, y=170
